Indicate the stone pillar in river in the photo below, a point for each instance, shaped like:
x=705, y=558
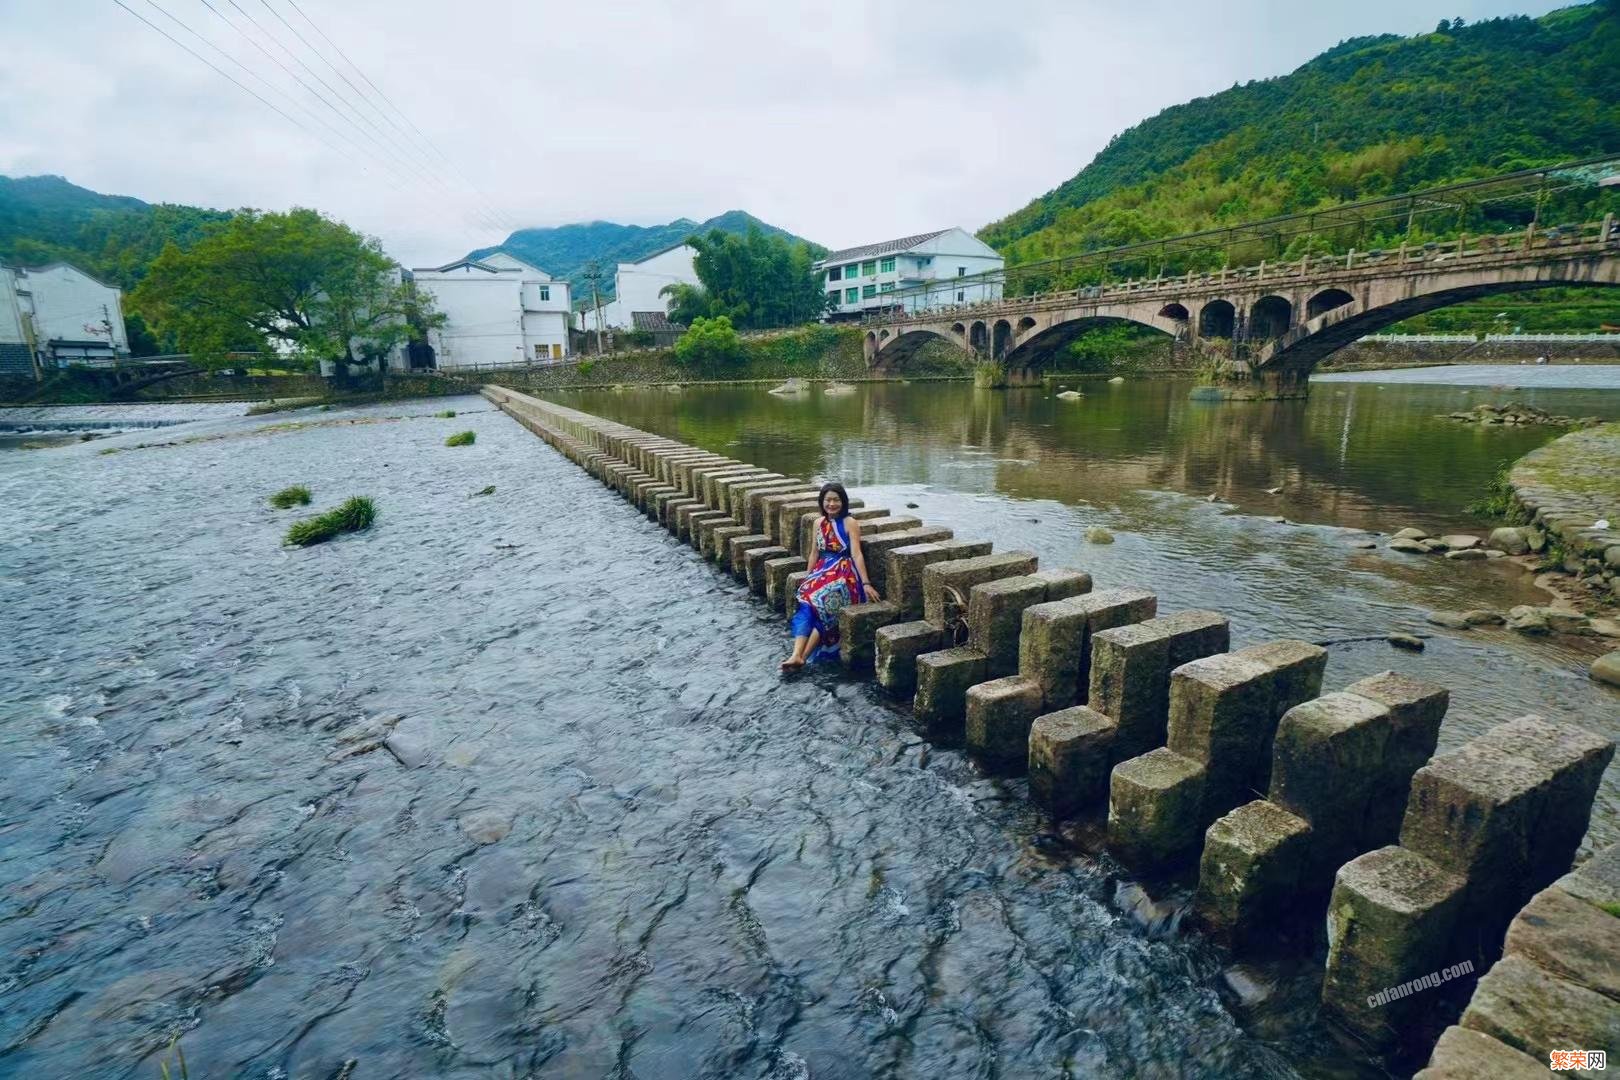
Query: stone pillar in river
x=1486, y=827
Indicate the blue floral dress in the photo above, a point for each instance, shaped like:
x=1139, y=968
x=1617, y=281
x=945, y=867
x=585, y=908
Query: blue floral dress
x=832, y=586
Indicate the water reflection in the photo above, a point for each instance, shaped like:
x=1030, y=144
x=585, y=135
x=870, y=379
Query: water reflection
x=1352, y=455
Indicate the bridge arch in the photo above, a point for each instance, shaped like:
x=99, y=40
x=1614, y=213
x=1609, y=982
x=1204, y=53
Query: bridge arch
x=958, y=329
x=1026, y=324
x=1044, y=345
x=1269, y=318
x=895, y=351
x=1325, y=301
x=1175, y=311
x=1217, y=319
x=869, y=346
x=1001, y=336
x=979, y=338
x=1308, y=343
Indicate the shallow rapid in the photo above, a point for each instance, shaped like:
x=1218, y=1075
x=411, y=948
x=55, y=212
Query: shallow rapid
x=508, y=784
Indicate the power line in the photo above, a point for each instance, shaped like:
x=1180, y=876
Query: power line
x=401, y=159
x=382, y=138
x=509, y=222
x=251, y=40
x=220, y=71
x=269, y=86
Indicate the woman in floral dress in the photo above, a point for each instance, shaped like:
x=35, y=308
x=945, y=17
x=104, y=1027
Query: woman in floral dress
x=837, y=579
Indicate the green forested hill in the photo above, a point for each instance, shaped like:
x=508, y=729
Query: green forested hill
x=565, y=250
x=1370, y=116
x=114, y=237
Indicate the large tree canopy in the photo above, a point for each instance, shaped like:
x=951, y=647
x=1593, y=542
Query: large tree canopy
x=754, y=280
x=298, y=286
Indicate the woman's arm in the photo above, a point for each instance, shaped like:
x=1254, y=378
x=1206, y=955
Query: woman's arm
x=854, y=528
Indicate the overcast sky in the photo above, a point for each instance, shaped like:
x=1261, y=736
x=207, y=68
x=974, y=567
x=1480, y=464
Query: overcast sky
x=845, y=123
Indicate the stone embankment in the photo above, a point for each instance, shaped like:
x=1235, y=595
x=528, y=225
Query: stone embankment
x=1569, y=490
x=1289, y=805
x=1556, y=989
x=1373, y=354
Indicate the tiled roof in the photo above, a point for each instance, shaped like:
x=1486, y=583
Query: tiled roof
x=655, y=321
x=888, y=247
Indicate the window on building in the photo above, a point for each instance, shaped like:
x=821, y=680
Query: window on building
x=869, y=268
x=851, y=272
x=961, y=271
x=886, y=266
x=832, y=297
x=925, y=260
x=868, y=291
x=545, y=293
x=851, y=295
x=960, y=296
x=539, y=352
x=887, y=286
x=832, y=273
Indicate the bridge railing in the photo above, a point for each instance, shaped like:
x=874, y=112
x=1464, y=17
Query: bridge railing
x=1529, y=242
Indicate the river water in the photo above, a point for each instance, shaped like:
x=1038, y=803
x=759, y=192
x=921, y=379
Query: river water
x=507, y=785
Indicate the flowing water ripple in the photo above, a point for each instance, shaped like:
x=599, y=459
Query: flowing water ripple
x=507, y=786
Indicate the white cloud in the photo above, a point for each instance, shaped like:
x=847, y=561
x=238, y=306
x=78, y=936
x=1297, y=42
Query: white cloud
x=845, y=124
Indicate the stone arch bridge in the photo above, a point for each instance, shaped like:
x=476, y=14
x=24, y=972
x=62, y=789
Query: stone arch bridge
x=1263, y=327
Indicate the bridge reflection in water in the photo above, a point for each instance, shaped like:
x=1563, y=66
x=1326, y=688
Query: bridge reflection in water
x=1354, y=455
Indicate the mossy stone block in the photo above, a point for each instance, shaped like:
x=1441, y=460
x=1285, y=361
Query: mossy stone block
x=1070, y=754
x=897, y=647
x=998, y=719
x=1153, y=809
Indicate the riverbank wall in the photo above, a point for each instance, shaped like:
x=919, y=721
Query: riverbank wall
x=1146, y=723
x=1555, y=996
x=1370, y=354
x=1566, y=489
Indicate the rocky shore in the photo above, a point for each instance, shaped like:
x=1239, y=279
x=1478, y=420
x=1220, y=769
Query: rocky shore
x=1567, y=496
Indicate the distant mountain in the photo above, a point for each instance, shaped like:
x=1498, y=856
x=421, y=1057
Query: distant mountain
x=1370, y=116
x=114, y=237
x=564, y=251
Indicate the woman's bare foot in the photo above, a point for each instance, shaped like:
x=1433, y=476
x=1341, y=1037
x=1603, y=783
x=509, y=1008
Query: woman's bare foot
x=792, y=663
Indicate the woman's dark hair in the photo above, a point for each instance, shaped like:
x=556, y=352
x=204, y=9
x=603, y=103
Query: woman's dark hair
x=821, y=500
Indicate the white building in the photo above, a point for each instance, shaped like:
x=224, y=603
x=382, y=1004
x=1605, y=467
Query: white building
x=636, y=288
x=498, y=311
x=56, y=315
x=931, y=270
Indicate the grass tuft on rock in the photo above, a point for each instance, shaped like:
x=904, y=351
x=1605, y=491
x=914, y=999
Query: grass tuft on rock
x=1499, y=500
x=465, y=438
x=288, y=497
x=448, y=414
x=487, y=491
x=354, y=515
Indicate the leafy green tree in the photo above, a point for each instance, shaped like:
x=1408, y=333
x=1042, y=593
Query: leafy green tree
x=709, y=343
x=757, y=280
x=687, y=303
x=297, y=285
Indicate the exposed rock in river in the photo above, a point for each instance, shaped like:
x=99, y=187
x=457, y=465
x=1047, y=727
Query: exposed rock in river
x=1606, y=668
x=1517, y=412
